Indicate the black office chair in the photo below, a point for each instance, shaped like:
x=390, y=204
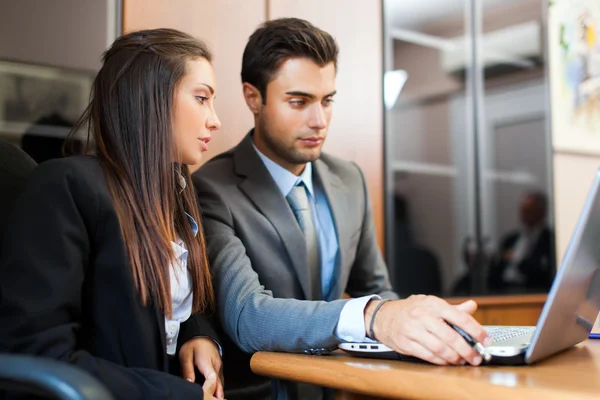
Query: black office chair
x=49, y=378
x=15, y=167
x=26, y=374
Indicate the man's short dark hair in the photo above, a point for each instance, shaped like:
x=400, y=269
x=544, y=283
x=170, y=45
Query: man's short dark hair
x=279, y=40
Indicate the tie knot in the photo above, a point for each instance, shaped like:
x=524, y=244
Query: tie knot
x=298, y=198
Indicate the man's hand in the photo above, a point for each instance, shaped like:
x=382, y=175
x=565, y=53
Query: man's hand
x=417, y=327
x=204, y=354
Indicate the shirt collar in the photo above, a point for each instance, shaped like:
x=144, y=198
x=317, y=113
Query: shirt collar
x=181, y=183
x=193, y=224
x=178, y=247
x=284, y=179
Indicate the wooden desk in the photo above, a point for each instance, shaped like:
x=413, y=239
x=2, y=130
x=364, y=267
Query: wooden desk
x=573, y=374
x=506, y=310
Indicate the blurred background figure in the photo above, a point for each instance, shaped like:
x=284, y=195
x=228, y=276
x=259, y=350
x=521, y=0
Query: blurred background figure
x=524, y=259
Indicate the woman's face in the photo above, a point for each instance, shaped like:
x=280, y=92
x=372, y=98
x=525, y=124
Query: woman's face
x=194, y=116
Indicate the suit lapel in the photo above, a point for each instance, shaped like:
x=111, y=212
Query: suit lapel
x=336, y=197
x=262, y=190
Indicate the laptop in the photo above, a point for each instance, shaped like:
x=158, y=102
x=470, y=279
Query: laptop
x=568, y=315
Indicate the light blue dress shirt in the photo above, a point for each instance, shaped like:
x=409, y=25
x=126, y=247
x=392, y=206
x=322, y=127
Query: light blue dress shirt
x=350, y=327
x=322, y=218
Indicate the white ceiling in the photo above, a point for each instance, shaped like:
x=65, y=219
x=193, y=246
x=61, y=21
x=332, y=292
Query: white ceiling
x=412, y=14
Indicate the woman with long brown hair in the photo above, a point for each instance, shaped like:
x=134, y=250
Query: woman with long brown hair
x=104, y=264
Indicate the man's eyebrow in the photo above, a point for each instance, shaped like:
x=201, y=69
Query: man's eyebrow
x=300, y=94
x=309, y=95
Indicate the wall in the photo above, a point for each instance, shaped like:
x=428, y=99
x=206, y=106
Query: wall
x=225, y=26
x=573, y=173
x=357, y=127
x=47, y=32
x=573, y=176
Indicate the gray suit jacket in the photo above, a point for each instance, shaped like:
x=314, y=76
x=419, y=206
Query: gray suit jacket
x=258, y=257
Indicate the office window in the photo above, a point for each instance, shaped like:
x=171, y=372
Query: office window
x=468, y=156
x=49, y=54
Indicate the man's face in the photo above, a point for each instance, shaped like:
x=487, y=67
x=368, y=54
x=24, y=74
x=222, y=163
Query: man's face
x=292, y=126
x=531, y=211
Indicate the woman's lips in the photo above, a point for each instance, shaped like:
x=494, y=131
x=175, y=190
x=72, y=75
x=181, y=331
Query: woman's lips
x=204, y=142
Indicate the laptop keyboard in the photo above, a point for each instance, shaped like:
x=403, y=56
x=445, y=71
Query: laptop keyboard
x=501, y=333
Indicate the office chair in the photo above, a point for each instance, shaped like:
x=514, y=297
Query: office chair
x=15, y=167
x=46, y=377
x=30, y=375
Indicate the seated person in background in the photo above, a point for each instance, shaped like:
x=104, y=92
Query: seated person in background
x=290, y=229
x=105, y=266
x=525, y=257
x=45, y=138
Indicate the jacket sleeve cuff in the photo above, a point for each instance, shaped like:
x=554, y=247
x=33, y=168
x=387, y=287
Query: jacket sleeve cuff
x=198, y=325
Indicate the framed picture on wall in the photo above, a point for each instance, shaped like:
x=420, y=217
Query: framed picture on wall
x=574, y=51
x=46, y=99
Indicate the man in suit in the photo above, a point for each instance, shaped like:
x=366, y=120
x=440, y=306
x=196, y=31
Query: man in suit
x=524, y=260
x=290, y=229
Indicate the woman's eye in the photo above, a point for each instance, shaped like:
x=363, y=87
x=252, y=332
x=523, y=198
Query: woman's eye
x=202, y=99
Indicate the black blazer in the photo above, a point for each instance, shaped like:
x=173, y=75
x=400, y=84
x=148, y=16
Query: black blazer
x=537, y=266
x=67, y=291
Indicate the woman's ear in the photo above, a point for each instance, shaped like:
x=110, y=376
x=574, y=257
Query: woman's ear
x=253, y=97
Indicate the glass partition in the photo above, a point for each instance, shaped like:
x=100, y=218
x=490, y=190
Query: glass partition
x=467, y=147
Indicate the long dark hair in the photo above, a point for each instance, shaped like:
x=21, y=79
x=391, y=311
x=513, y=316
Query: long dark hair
x=129, y=117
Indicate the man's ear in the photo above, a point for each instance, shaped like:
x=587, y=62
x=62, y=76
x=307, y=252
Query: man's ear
x=253, y=97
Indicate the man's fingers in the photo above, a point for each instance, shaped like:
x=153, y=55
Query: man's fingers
x=460, y=347
x=468, y=306
x=467, y=323
x=417, y=350
x=433, y=343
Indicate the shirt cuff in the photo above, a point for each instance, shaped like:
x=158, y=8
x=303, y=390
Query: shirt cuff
x=217, y=343
x=351, y=325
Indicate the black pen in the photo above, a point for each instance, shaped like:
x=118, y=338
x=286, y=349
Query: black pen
x=472, y=342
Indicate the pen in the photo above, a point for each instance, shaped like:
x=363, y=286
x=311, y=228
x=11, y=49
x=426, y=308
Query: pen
x=473, y=343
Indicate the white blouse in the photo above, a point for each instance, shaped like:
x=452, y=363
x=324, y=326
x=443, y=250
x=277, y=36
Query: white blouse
x=181, y=293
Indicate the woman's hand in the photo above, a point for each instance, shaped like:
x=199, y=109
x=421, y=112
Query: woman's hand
x=203, y=353
x=210, y=386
